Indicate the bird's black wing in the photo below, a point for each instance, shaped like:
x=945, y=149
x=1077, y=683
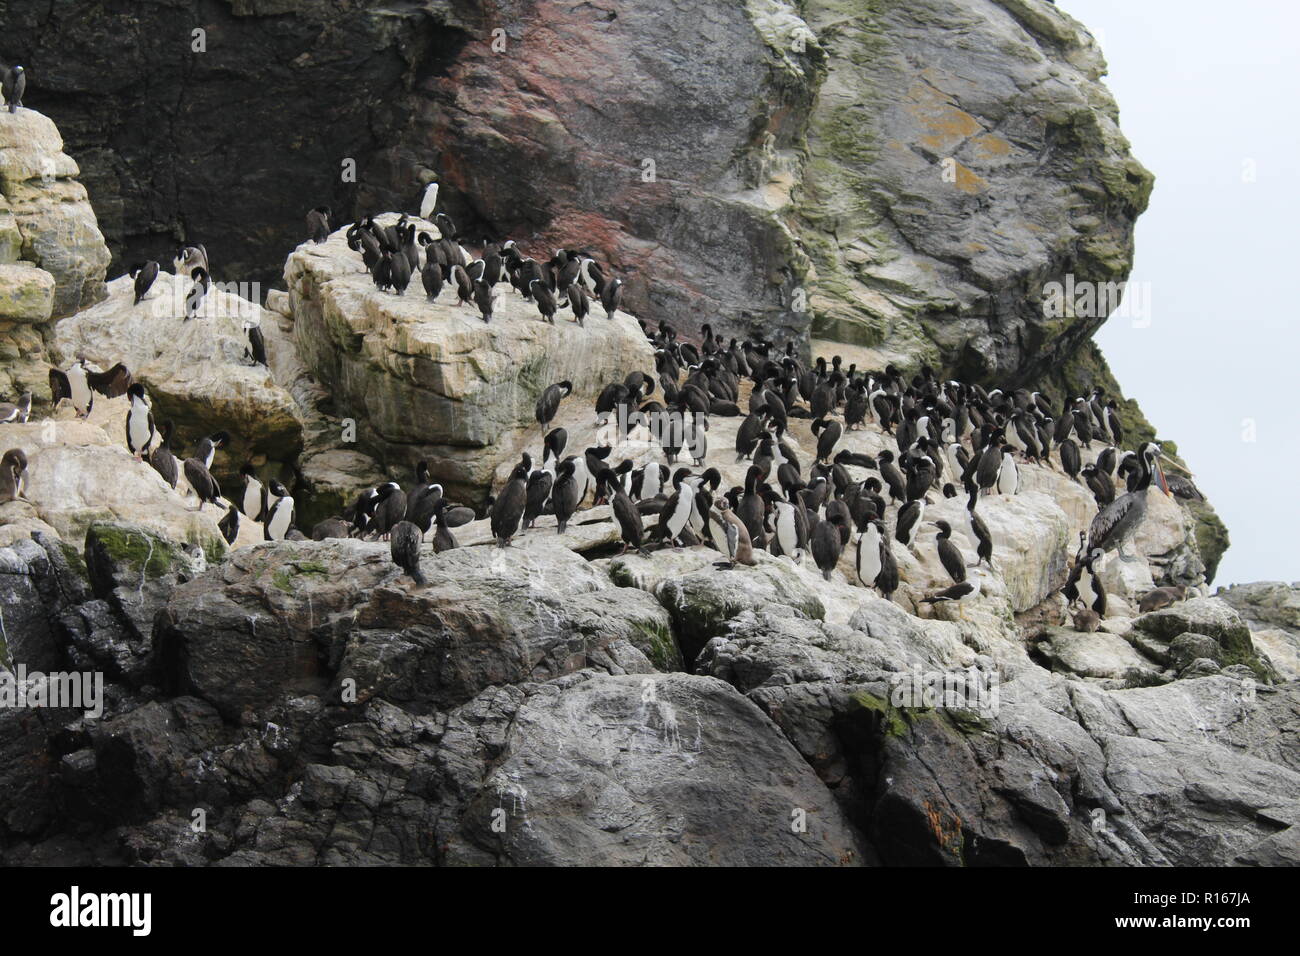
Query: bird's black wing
x=112, y=383
x=59, y=387
x=457, y=516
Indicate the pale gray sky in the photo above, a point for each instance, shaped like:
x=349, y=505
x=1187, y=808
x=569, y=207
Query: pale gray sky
x=1209, y=95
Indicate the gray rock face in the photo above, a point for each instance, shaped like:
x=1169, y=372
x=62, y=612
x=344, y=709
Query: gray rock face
x=29, y=591
x=516, y=711
x=933, y=110
x=532, y=727
x=1099, y=655
x=313, y=615
x=746, y=166
x=669, y=769
x=1272, y=612
x=1211, y=618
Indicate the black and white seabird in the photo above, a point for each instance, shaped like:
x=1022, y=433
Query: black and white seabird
x=545, y=299
x=869, y=553
x=229, y=525
x=625, y=511
x=611, y=297
x=199, y=282
x=909, y=522
x=423, y=498
x=80, y=381
x=16, y=413
x=538, y=494
x=960, y=594
x=1119, y=521
x=13, y=82
x=390, y=508
x=483, y=299
x=140, y=430
x=979, y=530
x=1008, y=473
x=431, y=278
x=205, y=487
x=399, y=271
x=253, y=499
x=579, y=301
x=189, y=259
x=828, y=542
x=949, y=554
x=318, y=224
x=207, y=446
x=278, y=520
x=549, y=402
x=828, y=433
x=566, y=494
x=256, y=349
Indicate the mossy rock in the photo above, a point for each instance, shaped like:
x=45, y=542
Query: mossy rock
x=1216, y=620
x=701, y=604
x=1211, y=536
x=76, y=559
x=893, y=720
x=656, y=641
x=134, y=548
x=285, y=578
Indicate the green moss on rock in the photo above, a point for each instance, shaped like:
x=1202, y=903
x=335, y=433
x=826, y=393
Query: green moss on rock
x=893, y=721
x=132, y=547
x=657, y=643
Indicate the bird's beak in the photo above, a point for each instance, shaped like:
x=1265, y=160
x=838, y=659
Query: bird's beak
x=1175, y=466
x=1160, y=477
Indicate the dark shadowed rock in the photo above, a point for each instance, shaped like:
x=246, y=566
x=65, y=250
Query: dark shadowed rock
x=308, y=616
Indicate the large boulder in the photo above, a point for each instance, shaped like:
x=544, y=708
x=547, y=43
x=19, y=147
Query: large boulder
x=338, y=615
x=1271, y=610
x=1214, y=619
x=432, y=380
x=658, y=770
x=1213, y=742
x=1005, y=114
x=26, y=293
x=196, y=371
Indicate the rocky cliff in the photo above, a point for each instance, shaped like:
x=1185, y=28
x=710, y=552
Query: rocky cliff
x=556, y=702
x=905, y=178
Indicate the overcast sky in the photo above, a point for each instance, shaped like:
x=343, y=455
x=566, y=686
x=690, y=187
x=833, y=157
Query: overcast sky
x=1209, y=96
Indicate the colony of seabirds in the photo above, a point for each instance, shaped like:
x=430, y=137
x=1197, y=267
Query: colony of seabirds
x=951, y=438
